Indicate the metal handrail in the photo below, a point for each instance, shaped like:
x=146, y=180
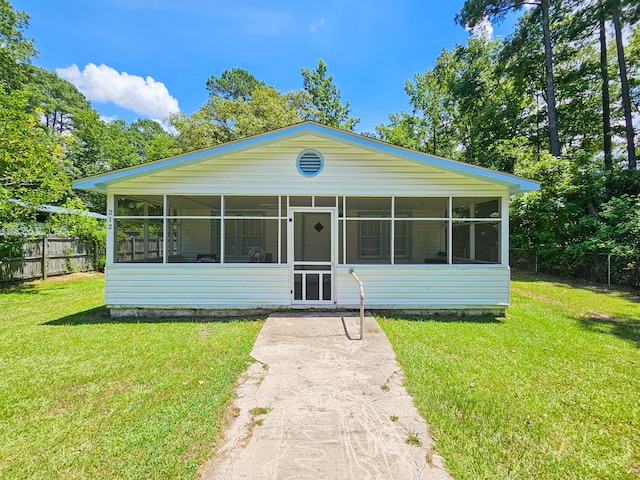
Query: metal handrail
x=361, y=285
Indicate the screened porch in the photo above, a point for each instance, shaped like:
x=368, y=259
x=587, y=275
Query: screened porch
x=228, y=229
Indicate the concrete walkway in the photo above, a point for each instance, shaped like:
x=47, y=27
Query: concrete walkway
x=318, y=405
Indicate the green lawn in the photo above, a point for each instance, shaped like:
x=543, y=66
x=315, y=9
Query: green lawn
x=82, y=396
x=552, y=391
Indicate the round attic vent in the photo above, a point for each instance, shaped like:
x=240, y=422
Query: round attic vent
x=309, y=163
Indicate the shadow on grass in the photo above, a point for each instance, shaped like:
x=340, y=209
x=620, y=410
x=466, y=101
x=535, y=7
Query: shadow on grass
x=625, y=293
x=18, y=288
x=100, y=316
x=478, y=319
x=625, y=328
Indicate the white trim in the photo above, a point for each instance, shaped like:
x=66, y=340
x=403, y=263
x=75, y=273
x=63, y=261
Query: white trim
x=111, y=230
x=292, y=263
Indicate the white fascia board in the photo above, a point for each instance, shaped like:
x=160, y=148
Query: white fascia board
x=514, y=183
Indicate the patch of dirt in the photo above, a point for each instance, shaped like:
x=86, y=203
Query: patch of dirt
x=70, y=276
x=543, y=298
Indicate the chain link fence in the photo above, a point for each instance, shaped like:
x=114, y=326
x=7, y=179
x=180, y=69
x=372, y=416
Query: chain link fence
x=610, y=269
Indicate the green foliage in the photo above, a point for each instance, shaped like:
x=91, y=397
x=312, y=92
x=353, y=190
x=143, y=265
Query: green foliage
x=147, y=137
x=223, y=119
x=234, y=84
x=75, y=224
x=15, y=48
x=325, y=97
x=486, y=103
x=464, y=108
x=31, y=162
x=56, y=100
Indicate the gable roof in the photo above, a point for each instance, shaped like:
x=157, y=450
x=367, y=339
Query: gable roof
x=515, y=184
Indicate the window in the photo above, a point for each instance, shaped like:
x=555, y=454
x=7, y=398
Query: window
x=371, y=239
x=240, y=236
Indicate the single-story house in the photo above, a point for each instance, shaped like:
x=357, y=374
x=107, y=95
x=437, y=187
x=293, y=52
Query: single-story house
x=278, y=220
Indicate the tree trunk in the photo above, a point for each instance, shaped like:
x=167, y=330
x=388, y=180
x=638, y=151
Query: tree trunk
x=604, y=73
x=624, y=83
x=554, y=139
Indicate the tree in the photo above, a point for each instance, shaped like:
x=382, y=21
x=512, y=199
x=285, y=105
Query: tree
x=32, y=167
x=606, y=97
x=474, y=11
x=15, y=48
x=464, y=108
x=325, y=97
x=146, y=136
x=634, y=69
x=233, y=84
x=55, y=99
x=430, y=96
x=224, y=119
x=616, y=13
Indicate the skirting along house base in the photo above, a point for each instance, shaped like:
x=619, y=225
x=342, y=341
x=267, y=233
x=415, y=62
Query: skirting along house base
x=278, y=220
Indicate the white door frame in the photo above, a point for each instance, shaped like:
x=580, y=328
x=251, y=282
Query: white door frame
x=291, y=256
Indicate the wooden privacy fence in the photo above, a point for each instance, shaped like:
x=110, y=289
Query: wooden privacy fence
x=48, y=255
x=140, y=249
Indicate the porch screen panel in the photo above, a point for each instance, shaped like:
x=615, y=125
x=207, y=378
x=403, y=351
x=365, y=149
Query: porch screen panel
x=193, y=240
x=139, y=240
x=193, y=206
x=476, y=207
x=251, y=240
x=476, y=230
x=368, y=241
x=139, y=206
x=368, y=206
x=476, y=242
x=421, y=207
x=236, y=206
x=139, y=229
x=420, y=241
x=368, y=230
x=251, y=229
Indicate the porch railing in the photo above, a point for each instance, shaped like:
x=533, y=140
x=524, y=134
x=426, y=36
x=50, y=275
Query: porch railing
x=361, y=286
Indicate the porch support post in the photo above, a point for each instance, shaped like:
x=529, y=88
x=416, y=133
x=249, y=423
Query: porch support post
x=472, y=232
x=145, y=246
x=165, y=229
x=504, y=231
x=450, y=233
x=111, y=230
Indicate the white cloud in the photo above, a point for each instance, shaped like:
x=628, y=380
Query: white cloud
x=482, y=29
x=108, y=119
x=102, y=83
x=317, y=25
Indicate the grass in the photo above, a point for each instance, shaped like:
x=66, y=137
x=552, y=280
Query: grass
x=85, y=396
x=549, y=392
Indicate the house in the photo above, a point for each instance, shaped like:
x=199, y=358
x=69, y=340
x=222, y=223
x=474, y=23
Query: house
x=278, y=220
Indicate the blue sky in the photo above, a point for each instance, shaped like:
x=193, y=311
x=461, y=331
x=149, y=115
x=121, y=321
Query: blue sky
x=154, y=56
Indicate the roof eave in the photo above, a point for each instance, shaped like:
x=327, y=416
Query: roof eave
x=99, y=183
